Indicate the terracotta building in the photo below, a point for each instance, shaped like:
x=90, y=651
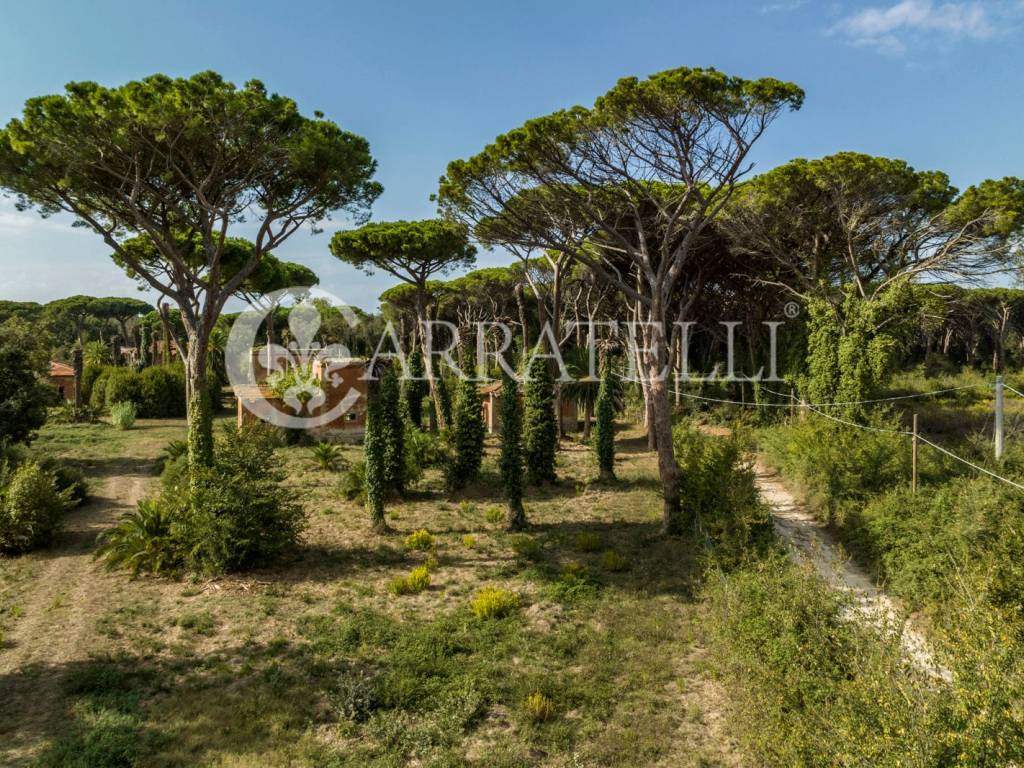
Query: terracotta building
x=336, y=379
x=62, y=378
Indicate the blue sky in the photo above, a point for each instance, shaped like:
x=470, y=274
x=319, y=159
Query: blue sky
x=938, y=84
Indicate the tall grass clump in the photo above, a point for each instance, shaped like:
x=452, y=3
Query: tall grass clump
x=122, y=415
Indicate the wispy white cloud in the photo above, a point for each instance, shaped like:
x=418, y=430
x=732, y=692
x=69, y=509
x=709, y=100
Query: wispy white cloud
x=888, y=29
x=783, y=6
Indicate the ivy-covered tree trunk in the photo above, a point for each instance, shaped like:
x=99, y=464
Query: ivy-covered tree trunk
x=376, y=456
x=200, y=409
x=414, y=389
x=604, y=430
x=511, y=460
x=540, y=432
x=467, y=435
x=392, y=431
x=144, y=339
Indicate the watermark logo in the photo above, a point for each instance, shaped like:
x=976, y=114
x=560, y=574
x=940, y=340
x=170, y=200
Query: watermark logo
x=298, y=385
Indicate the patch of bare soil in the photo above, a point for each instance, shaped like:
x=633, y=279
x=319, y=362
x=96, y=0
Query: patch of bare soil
x=59, y=607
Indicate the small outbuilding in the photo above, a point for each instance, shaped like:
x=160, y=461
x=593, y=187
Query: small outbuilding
x=62, y=379
x=490, y=394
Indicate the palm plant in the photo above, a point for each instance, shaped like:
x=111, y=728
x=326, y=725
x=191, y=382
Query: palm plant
x=583, y=388
x=327, y=456
x=142, y=541
x=96, y=354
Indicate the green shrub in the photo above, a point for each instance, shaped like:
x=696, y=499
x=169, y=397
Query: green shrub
x=494, y=603
x=122, y=385
x=421, y=452
x=239, y=515
x=24, y=395
x=809, y=686
x=162, y=392
x=90, y=373
x=174, y=477
x=469, y=541
x=494, y=514
x=717, y=490
x=417, y=581
x=356, y=696
x=526, y=547
x=31, y=507
x=613, y=562
x=836, y=464
x=233, y=515
x=142, y=540
x=175, y=450
x=122, y=415
x=421, y=540
x=352, y=483
x=98, y=392
x=967, y=532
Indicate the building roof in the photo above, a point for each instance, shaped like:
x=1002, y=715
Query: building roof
x=61, y=369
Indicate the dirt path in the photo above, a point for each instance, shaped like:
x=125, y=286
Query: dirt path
x=59, y=607
x=811, y=542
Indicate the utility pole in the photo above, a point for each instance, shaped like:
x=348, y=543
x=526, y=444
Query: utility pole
x=999, y=417
x=913, y=455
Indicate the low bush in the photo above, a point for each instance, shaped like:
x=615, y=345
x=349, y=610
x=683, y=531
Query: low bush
x=417, y=580
x=613, y=562
x=90, y=373
x=716, y=488
x=122, y=415
x=811, y=685
x=526, y=547
x=421, y=540
x=838, y=466
x=98, y=391
x=352, y=483
x=31, y=507
x=422, y=452
x=68, y=478
x=234, y=515
x=494, y=603
x=356, y=696
x=495, y=515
